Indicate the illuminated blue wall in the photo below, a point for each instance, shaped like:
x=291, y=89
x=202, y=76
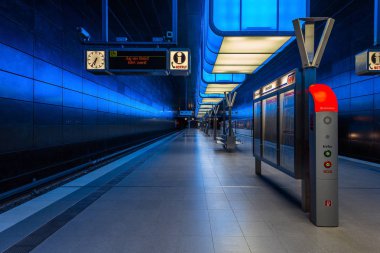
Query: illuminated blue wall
x=358, y=97
x=49, y=102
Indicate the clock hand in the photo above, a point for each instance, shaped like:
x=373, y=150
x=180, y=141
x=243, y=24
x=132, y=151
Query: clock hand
x=93, y=64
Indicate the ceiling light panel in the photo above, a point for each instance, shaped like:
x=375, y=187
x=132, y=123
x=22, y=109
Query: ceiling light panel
x=241, y=59
x=211, y=100
x=206, y=107
x=253, y=44
x=222, y=85
x=234, y=69
x=220, y=88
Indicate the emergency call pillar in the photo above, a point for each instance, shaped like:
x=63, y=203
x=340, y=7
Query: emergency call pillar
x=323, y=132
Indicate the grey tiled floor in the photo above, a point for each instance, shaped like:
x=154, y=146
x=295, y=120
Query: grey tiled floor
x=190, y=196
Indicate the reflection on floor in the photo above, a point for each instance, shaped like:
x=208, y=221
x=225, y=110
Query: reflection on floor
x=189, y=195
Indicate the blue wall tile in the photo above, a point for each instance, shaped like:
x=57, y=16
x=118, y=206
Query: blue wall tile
x=48, y=114
x=47, y=93
x=343, y=92
x=362, y=103
x=341, y=79
x=90, y=88
x=15, y=87
x=377, y=101
x=72, y=98
x=48, y=73
x=16, y=124
x=376, y=85
x=16, y=61
x=90, y=102
x=362, y=88
x=15, y=36
x=343, y=105
x=71, y=81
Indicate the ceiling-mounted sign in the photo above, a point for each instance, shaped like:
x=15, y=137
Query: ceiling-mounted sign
x=132, y=60
x=180, y=60
x=280, y=83
x=368, y=62
x=374, y=61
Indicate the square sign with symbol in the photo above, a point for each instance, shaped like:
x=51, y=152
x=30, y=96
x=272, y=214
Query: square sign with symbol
x=368, y=62
x=180, y=61
x=374, y=61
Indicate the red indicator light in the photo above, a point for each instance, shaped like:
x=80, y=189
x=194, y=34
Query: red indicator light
x=328, y=203
x=327, y=164
x=324, y=98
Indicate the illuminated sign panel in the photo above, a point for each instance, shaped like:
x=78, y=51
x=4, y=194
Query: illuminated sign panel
x=129, y=60
x=180, y=62
x=280, y=83
x=368, y=62
x=324, y=98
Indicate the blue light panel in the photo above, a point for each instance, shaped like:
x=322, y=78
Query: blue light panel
x=256, y=15
x=227, y=15
x=259, y=15
x=289, y=10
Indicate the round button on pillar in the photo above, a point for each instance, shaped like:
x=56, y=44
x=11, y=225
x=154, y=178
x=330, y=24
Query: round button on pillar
x=327, y=153
x=327, y=120
x=327, y=164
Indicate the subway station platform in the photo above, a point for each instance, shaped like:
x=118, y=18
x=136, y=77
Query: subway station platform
x=186, y=194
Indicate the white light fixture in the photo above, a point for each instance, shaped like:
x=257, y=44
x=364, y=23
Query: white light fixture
x=205, y=109
x=241, y=59
x=220, y=88
x=243, y=55
x=208, y=107
x=220, y=69
x=253, y=44
x=211, y=100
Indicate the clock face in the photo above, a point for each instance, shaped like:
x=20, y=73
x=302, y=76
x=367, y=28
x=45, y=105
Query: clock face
x=96, y=60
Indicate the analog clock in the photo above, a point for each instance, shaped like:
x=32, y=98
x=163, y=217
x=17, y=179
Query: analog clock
x=96, y=60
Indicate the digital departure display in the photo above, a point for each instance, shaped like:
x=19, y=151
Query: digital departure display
x=128, y=60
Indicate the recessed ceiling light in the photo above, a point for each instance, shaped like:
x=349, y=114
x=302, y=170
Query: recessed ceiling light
x=253, y=44
x=241, y=59
x=234, y=69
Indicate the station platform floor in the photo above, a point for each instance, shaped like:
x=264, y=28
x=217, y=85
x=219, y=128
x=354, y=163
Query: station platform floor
x=186, y=194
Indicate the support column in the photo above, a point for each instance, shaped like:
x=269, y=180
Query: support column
x=215, y=126
x=105, y=20
x=224, y=117
x=376, y=31
x=309, y=77
x=230, y=121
